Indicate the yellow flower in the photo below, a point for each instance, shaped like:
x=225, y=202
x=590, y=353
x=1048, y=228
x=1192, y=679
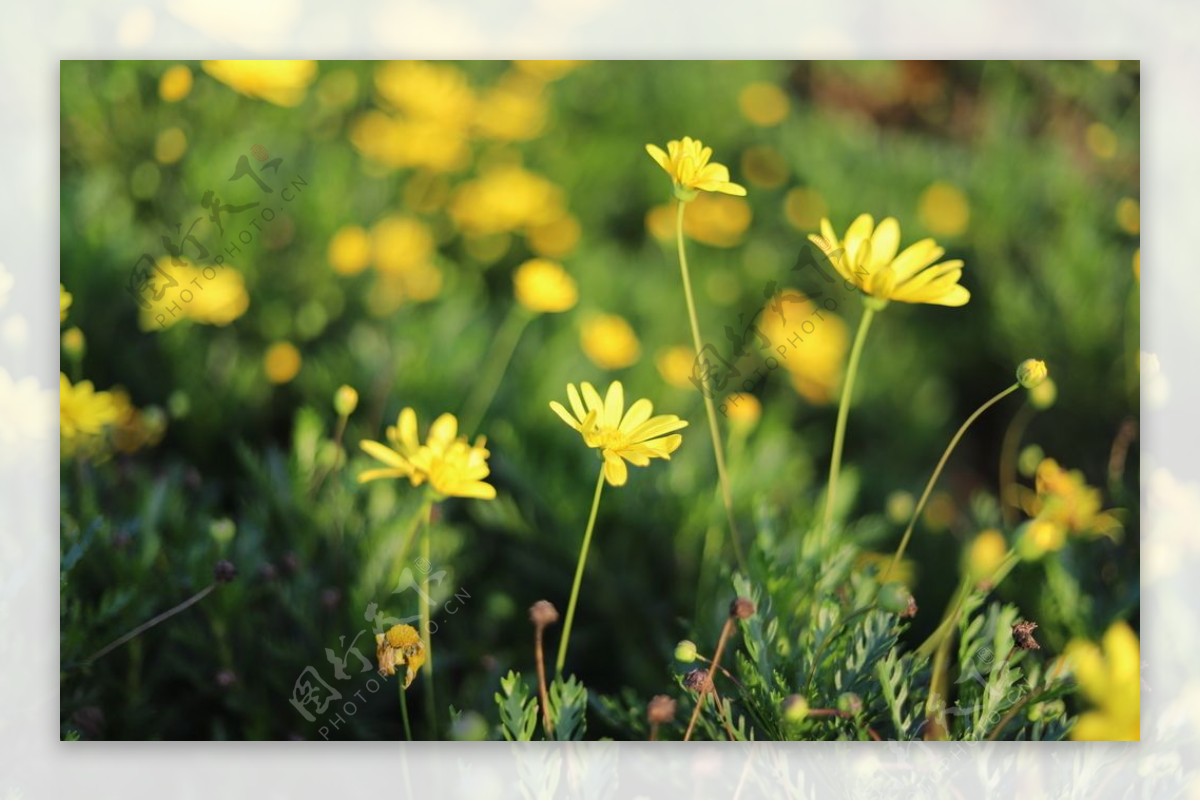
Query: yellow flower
x=1110, y=678
x=506, y=198
x=554, y=239
x=175, y=84
x=64, y=303
x=212, y=295
x=452, y=467
x=621, y=436
x=437, y=93
x=609, y=341
x=349, y=250
x=401, y=646
x=513, y=110
x=804, y=207
x=765, y=166
x=1039, y=537
x=542, y=285
x=905, y=571
x=1065, y=499
x=984, y=555
x=867, y=257
x=281, y=362
x=135, y=429
x=83, y=415
x=281, y=82
x=687, y=162
x=73, y=343
x=1129, y=215
x=763, y=104
x=410, y=142
x=401, y=244
x=547, y=70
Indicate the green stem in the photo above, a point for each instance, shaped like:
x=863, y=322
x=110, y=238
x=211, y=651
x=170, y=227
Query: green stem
x=839, y=433
x=937, y=471
x=430, y=703
x=1008, y=458
x=499, y=355
x=151, y=623
x=404, y=710
x=583, y=552
x=709, y=407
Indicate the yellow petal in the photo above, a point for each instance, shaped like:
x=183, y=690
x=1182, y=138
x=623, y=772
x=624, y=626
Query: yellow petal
x=614, y=405
x=884, y=243
x=916, y=257
x=658, y=155
x=383, y=453
x=443, y=431
x=638, y=413
x=576, y=404
x=385, y=472
x=615, y=472
x=407, y=425
x=592, y=398
x=656, y=427
x=566, y=417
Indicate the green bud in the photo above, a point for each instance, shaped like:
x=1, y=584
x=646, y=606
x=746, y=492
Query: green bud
x=850, y=703
x=1031, y=372
x=222, y=531
x=795, y=709
x=345, y=400
x=895, y=597
x=685, y=652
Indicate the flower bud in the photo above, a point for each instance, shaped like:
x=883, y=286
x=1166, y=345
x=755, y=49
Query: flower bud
x=895, y=597
x=345, y=400
x=741, y=608
x=543, y=613
x=850, y=703
x=222, y=531
x=685, y=652
x=795, y=708
x=73, y=343
x=698, y=681
x=1031, y=372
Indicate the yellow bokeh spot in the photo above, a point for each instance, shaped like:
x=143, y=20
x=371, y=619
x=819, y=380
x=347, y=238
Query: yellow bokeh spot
x=281, y=362
x=675, y=364
x=716, y=219
x=763, y=104
x=804, y=208
x=555, y=239
x=814, y=342
x=170, y=145
x=279, y=81
x=175, y=84
x=609, y=341
x=764, y=166
x=985, y=554
x=742, y=409
x=944, y=209
x=1107, y=65
x=400, y=244
x=542, y=285
x=513, y=110
x=1101, y=140
x=1129, y=215
x=350, y=250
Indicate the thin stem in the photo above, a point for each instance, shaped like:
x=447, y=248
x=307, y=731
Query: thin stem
x=726, y=631
x=543, y=696
x=430, y=702
x=937, y=471
x=1008, y=458
x=504, y=344
x=709, y=407
x=404, y=710
x=583, y=552
x=839, y=433
x=151, y=623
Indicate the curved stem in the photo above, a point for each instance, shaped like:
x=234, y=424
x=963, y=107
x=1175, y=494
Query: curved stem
x=583, y=552
x=504, y=344
x=151, y=623
x=1008, y=458
x=937, y=471
x=709, y=407
x=430, y=702
x=839, y=433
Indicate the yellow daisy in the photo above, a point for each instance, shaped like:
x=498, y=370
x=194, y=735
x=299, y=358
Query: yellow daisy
x=452, y=466
x=687, y=162
x=621, y=436
x=867, y=257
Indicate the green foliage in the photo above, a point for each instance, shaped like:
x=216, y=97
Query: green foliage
x=518, y=709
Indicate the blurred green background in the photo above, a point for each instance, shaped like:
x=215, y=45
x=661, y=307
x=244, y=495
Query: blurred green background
x=390, y=270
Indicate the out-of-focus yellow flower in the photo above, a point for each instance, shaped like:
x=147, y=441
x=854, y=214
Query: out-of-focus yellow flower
x=338, y=89
x=135, y=429
x=547, y=70
x=765, y=166
x=349, y=251
x=609, y=341
x=281, y=82
x=64, y=303
x=209, y=295
x=73, y=343
x=345, y=400
x=281, y=362
x=170, y=145
x=1101, y=140
x=716, y=220
x=1044, y=394
x=554, y=239
x=742, y=409
x=905, y=571
x=944, y=209
x=175, y=84
x=512, y=110
x=432, y=92
x=400, y=244
x=984, y=555
x=621, y=436
x=675, y=364
x=687, y=162
x=401, y=143
x=804, y=208
x=1129, y=215
x=763, y=104
x=400, y=646
x=1039, y=537
x=867, y=257
x=814, y=342
x=542, y=285
x=899, y=506
x=1109, y=675
x=506, y=198
x=451, y=466
x=84, y=414
x=1065, y=499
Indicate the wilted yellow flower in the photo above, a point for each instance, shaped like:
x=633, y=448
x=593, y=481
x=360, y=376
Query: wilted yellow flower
x=763, y=104
x=609, y=341
x=621, y=436
x=84, y=414
x=676, y=365
x=814, y=342
x=281, y=82
x=209, y=295
x=804, y=208
x=350, y=250
x=64, y=303
x=175, y=84
x=944, y=209
x=281, y=362
x=400, y=646
x=400, y=244
x=867, y=257
x=687, y=162
x=512, y=110
x=506, y=198
x=984, y=555
x=542, y=285
x=1110, y=678
x=452, y=467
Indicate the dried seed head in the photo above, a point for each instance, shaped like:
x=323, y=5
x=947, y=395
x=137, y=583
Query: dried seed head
x=543, y=614
x=741, y=608
x=660, y=710
x=1023, y=635
x=698, y=681
x=224, y=571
